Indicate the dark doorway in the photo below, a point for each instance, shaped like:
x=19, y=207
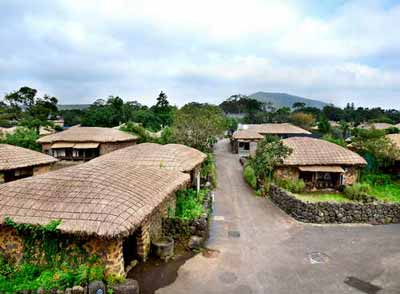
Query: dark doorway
x=130, y=249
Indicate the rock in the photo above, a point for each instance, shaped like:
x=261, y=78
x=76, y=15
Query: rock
x=129, y=286
x=96, y=287
x=41, y=291
x=68, y=291
x=195, y=242
x=77, y=290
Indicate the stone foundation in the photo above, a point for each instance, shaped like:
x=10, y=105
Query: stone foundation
x=332, y=212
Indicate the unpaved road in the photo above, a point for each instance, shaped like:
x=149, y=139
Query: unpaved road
x=263, y=250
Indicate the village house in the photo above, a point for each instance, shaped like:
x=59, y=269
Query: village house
x=321, y=164
x=85, y=143
x=377, y=126
x=171, y=157
x=17, y=162
x=111, y=208
x=244, y=140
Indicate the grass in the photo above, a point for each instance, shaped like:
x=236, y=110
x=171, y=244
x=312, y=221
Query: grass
x=388, y=192
x=322, y=197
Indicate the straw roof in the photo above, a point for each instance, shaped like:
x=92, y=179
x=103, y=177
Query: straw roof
x=377, y=126
x=171, y=156
x=395, y=138
x=311, y=151
x=277, y=129
x=88, y=134
x=247, y=135
x=13, y=157
x=109, y=200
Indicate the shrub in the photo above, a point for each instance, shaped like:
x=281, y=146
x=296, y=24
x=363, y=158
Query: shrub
x=189, y=204
x=23, y=137
x=294, y=186
x=250, y=176
x=358, y=192
x=377, y=179
x=209, y=170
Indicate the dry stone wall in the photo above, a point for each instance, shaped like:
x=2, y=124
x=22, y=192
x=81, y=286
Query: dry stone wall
x=330, y=212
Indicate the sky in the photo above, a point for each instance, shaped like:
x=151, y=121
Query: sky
x=79, y=51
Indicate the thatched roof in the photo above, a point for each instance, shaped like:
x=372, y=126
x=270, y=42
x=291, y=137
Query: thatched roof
x=277, y=129
x=395, y=138
x=171, y=156
x=13, y=157
x=377, y=126
x=88, y=134
x=311, y=151
x=110, y=199
x=247, y=135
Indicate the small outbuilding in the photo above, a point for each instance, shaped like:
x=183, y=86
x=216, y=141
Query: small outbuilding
x=85, y=143
x=321, y=164
x=244, y=140
x=17, y=162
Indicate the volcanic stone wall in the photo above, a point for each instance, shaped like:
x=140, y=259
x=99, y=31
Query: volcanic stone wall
x=334, y=212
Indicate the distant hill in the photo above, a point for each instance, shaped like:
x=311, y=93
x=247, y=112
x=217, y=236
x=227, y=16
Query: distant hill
x=283, y=99
x=72, y=106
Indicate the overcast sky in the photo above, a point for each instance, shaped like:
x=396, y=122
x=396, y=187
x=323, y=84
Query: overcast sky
x=207, y=50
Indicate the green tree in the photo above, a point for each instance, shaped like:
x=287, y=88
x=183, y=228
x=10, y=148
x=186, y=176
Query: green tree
x=23, y=137
x=197, y=125
x=324, y=126
x=298, y=105
x=269, y=154
x=302, y=119
x=163, y=109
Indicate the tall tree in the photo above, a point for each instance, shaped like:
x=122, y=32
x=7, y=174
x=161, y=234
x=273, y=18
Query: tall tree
x=197, y=125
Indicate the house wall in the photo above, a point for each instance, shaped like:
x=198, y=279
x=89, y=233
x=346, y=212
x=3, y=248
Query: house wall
x=151, y=229
x=46, y=147
x=109, y=147
x=287, y=173
x=109, y=250
x=351, y=175
x=41, y=169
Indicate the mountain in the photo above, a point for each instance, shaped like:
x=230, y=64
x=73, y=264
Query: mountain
x=283, y=99
x=72, y=106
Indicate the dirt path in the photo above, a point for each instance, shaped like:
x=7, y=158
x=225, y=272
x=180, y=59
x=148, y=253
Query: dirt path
x=262, y=250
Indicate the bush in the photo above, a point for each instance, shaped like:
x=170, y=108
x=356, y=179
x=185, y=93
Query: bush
x=23, y=137
x=294, y=186
x=377, y=179
x=189, y=204
x=250, y=176
x=209, y=170
x=358, y=192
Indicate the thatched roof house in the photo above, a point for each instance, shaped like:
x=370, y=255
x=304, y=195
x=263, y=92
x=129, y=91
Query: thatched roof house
x=244, y=140
x=319, y=163
x=106, y=200
x=115, y=203
x=85, y=143
x=17, y=162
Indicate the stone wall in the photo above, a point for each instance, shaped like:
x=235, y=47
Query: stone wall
x=331, y=212
x=110, y=251
x=183, y=229
x=152, y=228
x=109, y=147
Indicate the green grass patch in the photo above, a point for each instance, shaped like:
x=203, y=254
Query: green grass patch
x=322, y=197
x=388, y=192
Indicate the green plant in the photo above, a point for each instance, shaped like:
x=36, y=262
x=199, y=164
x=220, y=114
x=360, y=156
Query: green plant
x=189, y=203
x=294, y=186
x=209, y=170
x=50, y=261
x=358, y=192
x=376, y=179
x=250, y=176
